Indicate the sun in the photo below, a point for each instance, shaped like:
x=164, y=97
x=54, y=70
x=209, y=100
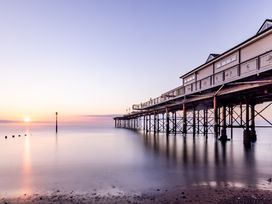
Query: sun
x=27, y=119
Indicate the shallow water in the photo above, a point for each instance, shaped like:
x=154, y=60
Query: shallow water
x=108, y=160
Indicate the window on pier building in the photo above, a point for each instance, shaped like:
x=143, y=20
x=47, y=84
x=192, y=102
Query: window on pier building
x=189, y=79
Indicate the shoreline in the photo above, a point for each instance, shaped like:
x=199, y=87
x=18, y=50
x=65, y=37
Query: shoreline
x=178, y=194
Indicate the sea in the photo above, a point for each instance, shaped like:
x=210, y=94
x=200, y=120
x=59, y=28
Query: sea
x=102, y=158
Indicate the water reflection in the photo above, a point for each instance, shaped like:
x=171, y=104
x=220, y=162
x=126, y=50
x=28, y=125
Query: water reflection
x=27, y=169
x=205, y=161
x=83, y=160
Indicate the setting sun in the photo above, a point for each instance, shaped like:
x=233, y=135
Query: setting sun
x=27, y=119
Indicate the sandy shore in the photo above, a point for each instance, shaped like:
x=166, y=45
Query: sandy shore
x=201, y=195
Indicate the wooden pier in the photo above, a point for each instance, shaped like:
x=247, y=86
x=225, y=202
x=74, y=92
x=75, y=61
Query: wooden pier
x=216, y=97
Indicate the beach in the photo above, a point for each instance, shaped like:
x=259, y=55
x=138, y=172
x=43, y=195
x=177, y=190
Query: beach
x=198, y=194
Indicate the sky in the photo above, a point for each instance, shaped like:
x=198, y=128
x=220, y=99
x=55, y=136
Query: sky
x=98, y=57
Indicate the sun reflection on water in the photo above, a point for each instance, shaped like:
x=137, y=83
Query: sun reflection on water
x=27, y=168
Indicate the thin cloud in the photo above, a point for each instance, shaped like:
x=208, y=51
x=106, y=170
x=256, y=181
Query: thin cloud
x=17, y=121
x=8, y=121
x=101, y=116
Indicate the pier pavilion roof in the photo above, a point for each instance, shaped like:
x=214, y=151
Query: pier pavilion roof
x=211, y=56
x=266, y=25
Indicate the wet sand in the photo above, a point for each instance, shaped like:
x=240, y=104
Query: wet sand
x=198, y=194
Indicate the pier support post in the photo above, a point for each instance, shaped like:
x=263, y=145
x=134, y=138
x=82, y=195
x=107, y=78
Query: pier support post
x=198, y=122
x=175, y=122
x=158, y=123
x=194, y=121
x=231, y=120
x=219, y=121
x=144, y=123
x=224, y=137
x=150, y=123
x=241, y=115
x=163, y=123
x=215, y=112
x=184, y=128
x=253, y=131
x=205, y=122
x=155, y=123
x=167, y=122
x=247, y=140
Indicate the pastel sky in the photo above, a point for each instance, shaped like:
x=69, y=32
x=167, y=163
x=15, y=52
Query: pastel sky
x=84, y=57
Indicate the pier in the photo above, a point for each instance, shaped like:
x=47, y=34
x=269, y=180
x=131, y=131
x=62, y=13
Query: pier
x=216, y=97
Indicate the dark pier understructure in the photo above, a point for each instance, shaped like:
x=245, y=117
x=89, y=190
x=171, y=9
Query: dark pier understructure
x=228, y=91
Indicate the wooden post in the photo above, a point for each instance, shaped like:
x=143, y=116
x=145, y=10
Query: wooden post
x=56, y=122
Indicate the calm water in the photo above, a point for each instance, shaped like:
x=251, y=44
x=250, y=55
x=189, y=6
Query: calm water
x=102, y=159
